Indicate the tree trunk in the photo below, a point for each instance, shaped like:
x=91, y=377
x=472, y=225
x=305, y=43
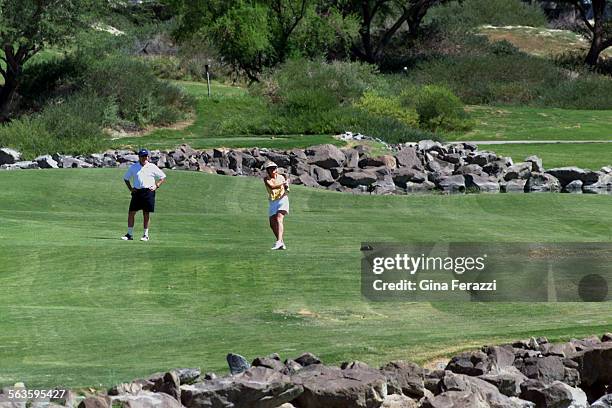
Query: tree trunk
x=597, y=42
x=6, y=94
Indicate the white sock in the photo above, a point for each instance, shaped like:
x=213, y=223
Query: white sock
x=130, y=230
x=146, y=232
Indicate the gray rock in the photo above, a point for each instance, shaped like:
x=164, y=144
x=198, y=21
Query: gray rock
x=306, y=180
x=352, y=158
x=72, y=162
x=603, y=402
x=544, y=369
x=606, y=169
x=331, y=387
x=281, y=160
x=169, y=384
x=383, y=187
x=595, y=365
x=235, y=161
x=452, y=184
x=404, y=175
x=258, y=387
x=268, y=362
x=187, y=375
x=46, y=162
x=237, y=364
x=536, y=164
x=518, y=171
x=513, y=186
x=326, y=156
x=603, y=184
x=554, y=395
x=440, y=166
x=404, y=377
x=496, y=168
x=542, y=182
x=322, y=176
x=565, y=175
x=419, y=187
x=95, y=402
x=307, y=359
x=454, y=399
x=481, y=158
x=427, y=145
x=573, y=187
x=387, y=161
x=470, y=363
x=606, y=337
x=481, y=184
x=26, y=165
x=407, y=157
x=398, y=401
x=487, y=392
x=145, y=399
x=9, y=156
x=500, y=356
x=357, y=178
x=470, y=169
x=507, y=380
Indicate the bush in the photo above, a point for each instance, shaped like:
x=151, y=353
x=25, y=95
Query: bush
x=390, y=107
x=588, y=91
x=305, y=86
x=70, y=128
x=459, y=16
x=141, y=98
x=490, y=78
x=437, y=108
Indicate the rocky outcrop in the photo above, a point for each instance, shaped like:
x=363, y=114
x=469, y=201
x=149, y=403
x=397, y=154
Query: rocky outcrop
x=418, y=167
x=531, y=373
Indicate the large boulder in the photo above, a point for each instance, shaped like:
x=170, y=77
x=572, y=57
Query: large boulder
x=46, y=162
x=404, y=175
x=536, y=164
x=73, y=162
x=9, y=156
x=595, y=367
x=258, y=387
x=454, y=399
x=513, y=186
x=326, y=156
x=518, y=171
x=555, y=395
x=451, y=184
x=440, y=166
x=507, y=380
x=603, y=184
x=565, y=175
x=145, y=399
x=542, y=182
x=481, y=184
x=398, y=401
x=603, y=402
x=380, y=161
x=332, y=387
x=544, y=369
x=407, y=157
x=322, y=176
x=357, y=178
x=487, y=392
x=404, y=377
x=98, y=401
x=470, y=363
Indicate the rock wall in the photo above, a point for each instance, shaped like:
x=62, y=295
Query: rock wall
x=526, y=373
x=426, y=166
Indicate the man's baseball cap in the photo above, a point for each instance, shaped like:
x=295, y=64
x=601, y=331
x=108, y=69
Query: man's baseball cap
x=269, y=164
x=143, y=152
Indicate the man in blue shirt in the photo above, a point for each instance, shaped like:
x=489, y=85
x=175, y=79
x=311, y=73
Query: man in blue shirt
x=147, y=178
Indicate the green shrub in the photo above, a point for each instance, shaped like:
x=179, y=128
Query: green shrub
x=490, y=78
x=457, y=16
x=140, y=97
x=391, y=107
x=588, y=91
x=304, y=86
x=438, y=108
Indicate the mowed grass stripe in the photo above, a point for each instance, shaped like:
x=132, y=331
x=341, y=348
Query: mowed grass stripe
x=79, y=307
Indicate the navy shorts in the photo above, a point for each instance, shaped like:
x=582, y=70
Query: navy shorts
x=143, y=199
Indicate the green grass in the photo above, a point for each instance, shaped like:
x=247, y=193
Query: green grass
x=79, y=307
x=226, y=102
x=528, y=123
x=586, y=155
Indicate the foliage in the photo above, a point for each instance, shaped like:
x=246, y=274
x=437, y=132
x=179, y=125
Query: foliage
x=388, y=106
x=437, y=108
x=303, y=86
x=140, y=97
x=467, y=14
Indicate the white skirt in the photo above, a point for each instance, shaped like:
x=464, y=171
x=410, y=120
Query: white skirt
x=282, y=204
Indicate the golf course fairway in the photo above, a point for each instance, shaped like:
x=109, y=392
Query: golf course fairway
x=80, y=307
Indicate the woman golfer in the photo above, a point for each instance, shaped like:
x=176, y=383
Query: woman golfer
x=277, y=188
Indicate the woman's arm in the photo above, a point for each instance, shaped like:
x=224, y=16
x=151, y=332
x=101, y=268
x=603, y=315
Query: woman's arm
x=273, y=184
